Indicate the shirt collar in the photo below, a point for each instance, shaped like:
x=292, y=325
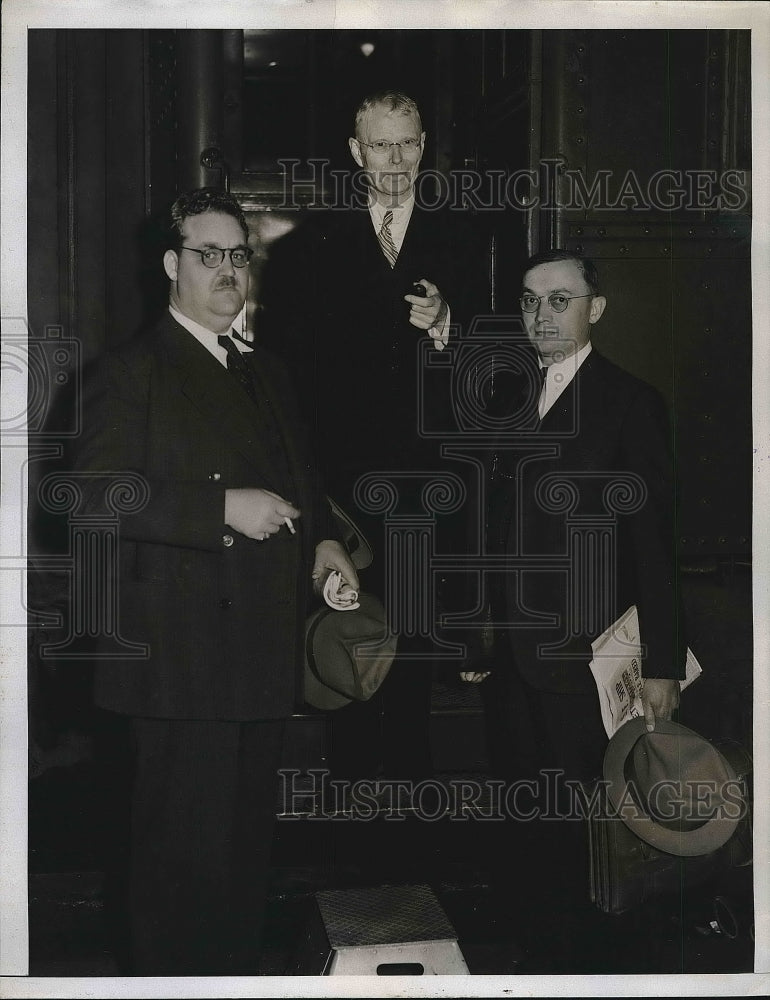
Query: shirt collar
x=401, y=213
x=201, y=333
x=571, y=363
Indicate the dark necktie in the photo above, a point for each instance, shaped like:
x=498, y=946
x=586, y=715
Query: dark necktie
x=386, y=239
x=238, y=366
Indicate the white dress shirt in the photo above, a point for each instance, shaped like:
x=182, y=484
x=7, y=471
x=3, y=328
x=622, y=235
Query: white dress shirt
x=558, y=377
x=208, y=338
x=401, y=216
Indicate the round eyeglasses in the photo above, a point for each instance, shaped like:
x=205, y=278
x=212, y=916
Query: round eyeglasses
x=383, y=146
x=213, y=256
x=531, y=303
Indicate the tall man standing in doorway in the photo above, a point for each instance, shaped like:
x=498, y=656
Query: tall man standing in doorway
x=213, y=580
x=340, y=301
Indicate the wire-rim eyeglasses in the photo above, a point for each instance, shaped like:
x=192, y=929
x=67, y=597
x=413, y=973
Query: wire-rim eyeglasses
x=383, y=146
x=530, y=302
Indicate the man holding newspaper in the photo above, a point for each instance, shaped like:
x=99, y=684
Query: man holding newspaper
x=581, y=497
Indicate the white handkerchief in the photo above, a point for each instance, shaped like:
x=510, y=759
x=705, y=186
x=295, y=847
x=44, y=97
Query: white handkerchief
x=338, y=594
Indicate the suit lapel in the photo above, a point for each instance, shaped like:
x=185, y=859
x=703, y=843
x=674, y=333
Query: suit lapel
x=413, y=242
x=371, y=255
x=206, y=384
x=567, y=413
x=280, y=427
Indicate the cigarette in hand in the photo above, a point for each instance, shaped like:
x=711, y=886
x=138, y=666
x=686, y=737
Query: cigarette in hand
x=288, y=522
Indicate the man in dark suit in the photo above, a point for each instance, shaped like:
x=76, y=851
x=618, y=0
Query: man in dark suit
x=339, y=299
x=597, y=433
x=214, y=576
x=581, y=494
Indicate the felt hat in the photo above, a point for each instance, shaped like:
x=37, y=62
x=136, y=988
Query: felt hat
x=347, y=653
x=672, y=787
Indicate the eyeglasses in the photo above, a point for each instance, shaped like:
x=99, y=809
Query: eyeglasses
x=531, y=303
x=213, y=256
x=383, y=146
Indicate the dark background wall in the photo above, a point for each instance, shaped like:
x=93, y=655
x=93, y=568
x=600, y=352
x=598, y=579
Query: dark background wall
x=120, y=121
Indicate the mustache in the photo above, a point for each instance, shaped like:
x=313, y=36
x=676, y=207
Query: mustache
x=225, y=281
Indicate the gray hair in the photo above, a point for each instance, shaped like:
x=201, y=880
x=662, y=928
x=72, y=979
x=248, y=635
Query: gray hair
x=394, y=100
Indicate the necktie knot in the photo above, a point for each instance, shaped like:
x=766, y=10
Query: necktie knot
x=237, y=365
x=386, y=239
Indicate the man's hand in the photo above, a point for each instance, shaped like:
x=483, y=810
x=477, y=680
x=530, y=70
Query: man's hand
x=474, y=676
x=329, y=556
x=428, y=311
x=257, y=513
x=659, y=699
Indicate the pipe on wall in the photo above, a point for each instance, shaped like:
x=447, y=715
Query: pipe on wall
x=200, y=104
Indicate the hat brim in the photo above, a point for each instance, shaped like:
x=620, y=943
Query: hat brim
x=712, y=835
x=333, y=669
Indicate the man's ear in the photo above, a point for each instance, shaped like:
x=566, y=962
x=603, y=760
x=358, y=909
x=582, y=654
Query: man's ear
x=355, y=150
x=170, y=264
x=597, y=308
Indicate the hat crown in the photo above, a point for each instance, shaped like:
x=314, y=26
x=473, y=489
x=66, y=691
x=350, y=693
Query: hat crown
x=678, y=778
x=672, y=787
x=347, y=653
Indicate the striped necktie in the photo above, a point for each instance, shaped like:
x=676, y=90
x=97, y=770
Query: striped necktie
x=386, y=239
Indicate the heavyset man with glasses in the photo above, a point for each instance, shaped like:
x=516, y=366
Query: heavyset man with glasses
x=213, y=580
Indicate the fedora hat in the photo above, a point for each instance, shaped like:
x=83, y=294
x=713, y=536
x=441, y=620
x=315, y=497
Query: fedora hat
x=672, y=788
x=347, y=653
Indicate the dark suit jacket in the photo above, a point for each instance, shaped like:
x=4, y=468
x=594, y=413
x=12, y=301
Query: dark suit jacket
x=334, y=308
x=607, y=423
x=221, y=612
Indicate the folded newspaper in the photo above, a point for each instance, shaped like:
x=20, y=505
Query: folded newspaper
x=338, y=594
x=616, y=667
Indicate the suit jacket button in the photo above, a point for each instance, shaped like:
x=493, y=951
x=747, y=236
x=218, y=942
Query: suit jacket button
x=227, y=540
x=225, y=603
x=216, y=476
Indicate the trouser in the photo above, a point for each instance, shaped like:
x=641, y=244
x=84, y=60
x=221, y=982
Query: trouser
x=389, y=735
x=530, y=730
x=547, y=739
x=203, y=812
